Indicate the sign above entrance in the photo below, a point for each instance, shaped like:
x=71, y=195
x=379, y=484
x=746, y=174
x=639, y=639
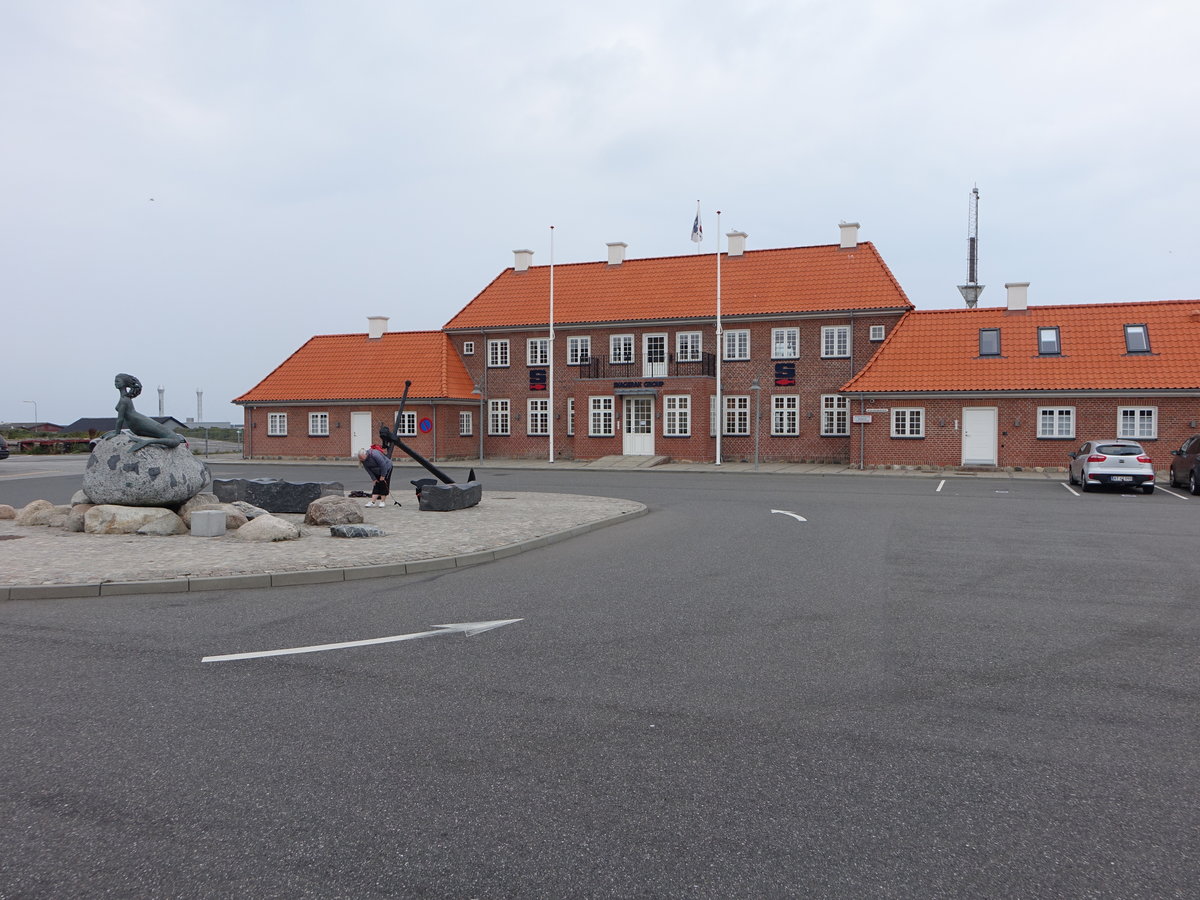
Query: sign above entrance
x=637, y=387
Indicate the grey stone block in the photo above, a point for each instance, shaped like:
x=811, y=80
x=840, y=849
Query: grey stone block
x=449, y=497
x=208, y=523
x=356, y=531
x=273, y=494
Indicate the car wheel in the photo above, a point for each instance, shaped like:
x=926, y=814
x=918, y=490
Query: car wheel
x=1147, y=489
x=1171, y=478
x=1083, y=483
x=1193, y=484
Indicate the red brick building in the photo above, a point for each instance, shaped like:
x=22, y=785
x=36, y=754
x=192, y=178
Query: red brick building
x=1021, y=386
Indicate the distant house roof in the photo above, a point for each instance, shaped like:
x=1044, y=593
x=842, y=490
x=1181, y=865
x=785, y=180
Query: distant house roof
x=759, y=282
x=355, y=367
x=933, y=351
x=102, y=425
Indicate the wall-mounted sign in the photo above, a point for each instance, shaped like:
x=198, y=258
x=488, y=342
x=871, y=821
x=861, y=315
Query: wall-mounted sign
x=878, y=410
x=537, y=379
x=785, y=374
x=426, y=426
x=637, y=384
x=861, y=420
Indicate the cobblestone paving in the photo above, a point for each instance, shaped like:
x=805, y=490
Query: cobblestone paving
x=40, y=555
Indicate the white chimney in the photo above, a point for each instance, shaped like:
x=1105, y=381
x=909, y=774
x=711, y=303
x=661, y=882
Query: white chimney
x=849, y=235
x=1018, y=296
x=737, y=242
x=522, y=260
x=616, y=253
x=376, y=326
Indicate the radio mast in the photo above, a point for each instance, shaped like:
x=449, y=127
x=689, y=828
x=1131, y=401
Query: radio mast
x=972, y=289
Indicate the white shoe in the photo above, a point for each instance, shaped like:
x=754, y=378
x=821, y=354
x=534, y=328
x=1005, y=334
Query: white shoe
x=368, y=503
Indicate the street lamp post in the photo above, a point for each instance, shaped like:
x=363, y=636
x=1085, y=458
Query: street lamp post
x=35, y=414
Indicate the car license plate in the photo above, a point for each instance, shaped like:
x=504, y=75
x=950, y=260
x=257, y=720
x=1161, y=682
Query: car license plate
x=1122, y=478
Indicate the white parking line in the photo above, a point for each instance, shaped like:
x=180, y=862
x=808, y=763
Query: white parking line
x=1173, y=494
x=941, y=484
x=1069, y=488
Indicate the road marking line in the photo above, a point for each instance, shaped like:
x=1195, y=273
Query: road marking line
x=465, y=628
x=941, y=484
x=796, y=516
x=1069, y=488
x=1173, y=494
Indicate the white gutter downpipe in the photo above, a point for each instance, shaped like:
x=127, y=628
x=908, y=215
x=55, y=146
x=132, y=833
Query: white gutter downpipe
x=720, y=345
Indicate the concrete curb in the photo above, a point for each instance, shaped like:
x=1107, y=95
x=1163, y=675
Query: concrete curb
x=304, y=576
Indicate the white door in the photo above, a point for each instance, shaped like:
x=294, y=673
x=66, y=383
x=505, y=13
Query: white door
x=639, y=426
x=361, y=436
x=654, y=356
x=979, y=436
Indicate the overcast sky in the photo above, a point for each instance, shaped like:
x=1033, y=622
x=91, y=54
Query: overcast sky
x=193, y=188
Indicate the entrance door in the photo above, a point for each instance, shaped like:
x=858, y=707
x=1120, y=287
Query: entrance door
x=360, y=432
x=979, y=436
x=654, y=356
x=639, y=426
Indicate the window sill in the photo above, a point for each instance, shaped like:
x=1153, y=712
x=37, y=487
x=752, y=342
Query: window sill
x=1055, y=437
x=908, y=437
x=318, y=435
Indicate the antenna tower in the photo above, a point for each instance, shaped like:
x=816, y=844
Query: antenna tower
x=972, y=289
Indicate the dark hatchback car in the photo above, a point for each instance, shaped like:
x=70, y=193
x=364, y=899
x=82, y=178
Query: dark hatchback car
x=1185, y=465
x=3, y=448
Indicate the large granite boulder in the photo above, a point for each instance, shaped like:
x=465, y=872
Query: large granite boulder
x=112, y=519
x=155, y=475
x=267, y=528
x=275, y=495
x=449, y=497
x=333, y=511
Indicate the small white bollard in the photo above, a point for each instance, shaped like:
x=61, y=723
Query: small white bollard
x=208, y=523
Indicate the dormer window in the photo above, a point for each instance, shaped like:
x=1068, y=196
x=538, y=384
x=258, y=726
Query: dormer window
x=1048, y=343
x=989, y=341
x=1137, y=339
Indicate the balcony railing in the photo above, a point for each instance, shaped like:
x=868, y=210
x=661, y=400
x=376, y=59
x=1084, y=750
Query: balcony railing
x=603, y=367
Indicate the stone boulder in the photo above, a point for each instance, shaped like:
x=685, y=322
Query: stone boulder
x=249, y=510
x=267, y=528
x=449, y=497
x=7, y=512
x=80, y=497
x=32, y=510
x=74, y=521
x=333, y=511
x=201, y=500
x=275, y=495
x=154, y=476
x=163, y=525
x=356, y=531
x=111, y=519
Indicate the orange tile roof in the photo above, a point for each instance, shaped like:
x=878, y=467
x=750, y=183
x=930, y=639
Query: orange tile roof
x=938, y=350
x=354, y=367
x=761, y=282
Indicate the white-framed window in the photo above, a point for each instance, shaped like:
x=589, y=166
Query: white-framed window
x=570, y=417
x=835, y=341
x=498, y=417
x=737, y=414
x=737, y=344
x=408, y=424
x=466, y=423
x=579, y=348
x=1137, y=422
x=537, y=352
x=620, y=348
x=498, y=354
x=1056, y=422
x=785, y=414
x=276, y=424
x=677, y=415
x=785, y=343
x=600, y=417
x=539, y=417
x=878, y=332
x=835, y=415
x=908, y=421
x=468, y=348
x=688, y=346
x=318, y=424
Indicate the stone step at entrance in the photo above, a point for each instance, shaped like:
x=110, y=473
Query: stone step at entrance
x=628, y=462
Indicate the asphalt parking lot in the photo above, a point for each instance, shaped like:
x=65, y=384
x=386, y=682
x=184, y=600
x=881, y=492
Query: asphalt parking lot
x=769, y=685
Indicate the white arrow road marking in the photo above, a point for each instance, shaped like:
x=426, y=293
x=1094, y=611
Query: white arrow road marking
x=465, y=628
x=796, y=516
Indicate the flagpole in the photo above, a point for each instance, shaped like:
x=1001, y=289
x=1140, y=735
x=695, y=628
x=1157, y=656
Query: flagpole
x=720, y=344
x=550, y=379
